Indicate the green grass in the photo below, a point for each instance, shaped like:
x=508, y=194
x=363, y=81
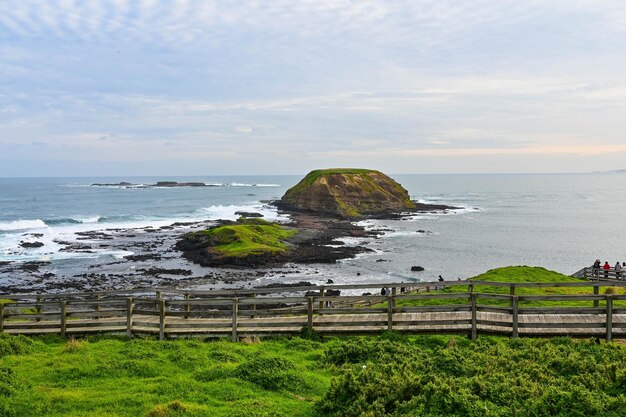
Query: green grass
x=390, y=375
x=516, y=274
x=119, y=377
x=314, y=175
x=249, y=237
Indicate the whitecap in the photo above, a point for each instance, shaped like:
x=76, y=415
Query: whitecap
x=23, y=225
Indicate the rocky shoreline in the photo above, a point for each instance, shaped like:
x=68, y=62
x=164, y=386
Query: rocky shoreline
x=149, y=257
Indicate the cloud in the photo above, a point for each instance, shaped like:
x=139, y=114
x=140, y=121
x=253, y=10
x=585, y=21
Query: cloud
x=399, y=80
x=243, y=129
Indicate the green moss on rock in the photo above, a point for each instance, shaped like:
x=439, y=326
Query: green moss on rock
x=348, y=192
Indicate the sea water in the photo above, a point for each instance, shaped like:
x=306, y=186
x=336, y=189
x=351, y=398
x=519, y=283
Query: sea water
x=561, y=222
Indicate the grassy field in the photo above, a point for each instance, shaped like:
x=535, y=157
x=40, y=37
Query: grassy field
x=518, y=274
x=119, y=377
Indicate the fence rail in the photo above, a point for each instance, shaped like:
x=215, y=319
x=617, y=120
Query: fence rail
x=596, y=274
x=408, y=308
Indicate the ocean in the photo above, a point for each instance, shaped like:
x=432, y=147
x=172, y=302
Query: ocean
x=558, y=221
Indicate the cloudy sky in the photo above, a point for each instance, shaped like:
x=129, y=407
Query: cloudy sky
x=131, y=87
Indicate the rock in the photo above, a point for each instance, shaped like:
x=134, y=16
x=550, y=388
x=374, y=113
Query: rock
x=416, y=269
x=31, y=244
x=332, y=293
x=158, y=271
x=117, y=184
x=347, y=193
x=330, y=281
x=248, y=214
x=143, y=257
x=358, y=274
x=383, y=260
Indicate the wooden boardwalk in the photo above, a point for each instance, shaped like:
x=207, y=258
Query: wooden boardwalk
x=287, y=311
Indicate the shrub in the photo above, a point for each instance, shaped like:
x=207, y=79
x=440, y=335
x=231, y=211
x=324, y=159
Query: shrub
x=492, y=377
x=74, y=345
x=9, y=381
x=270, y=372
x=310, y=334
x=173, y=409
x=15, y=345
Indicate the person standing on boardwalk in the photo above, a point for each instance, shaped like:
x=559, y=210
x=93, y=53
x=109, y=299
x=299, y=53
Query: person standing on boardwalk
x=596, y=268
x=618, y=271
x=606, y=268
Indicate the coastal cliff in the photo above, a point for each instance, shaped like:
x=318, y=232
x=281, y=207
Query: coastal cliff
x=347, y=193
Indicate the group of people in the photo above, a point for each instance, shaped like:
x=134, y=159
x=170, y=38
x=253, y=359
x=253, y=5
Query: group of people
x=607, y=268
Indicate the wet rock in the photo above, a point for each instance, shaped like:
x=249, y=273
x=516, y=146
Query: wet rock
x=31, y=244
x=158, y=271
x=416, y=269
x=248, y=214
x=143, y=257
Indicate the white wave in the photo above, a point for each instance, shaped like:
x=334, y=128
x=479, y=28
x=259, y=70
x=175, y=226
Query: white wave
x=23, y=225
x=90, y=219
x=352, y=241
x=240, y=184
x=402, y=233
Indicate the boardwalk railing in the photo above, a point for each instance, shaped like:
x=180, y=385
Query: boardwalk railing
x=596, y=274
x=472, y=308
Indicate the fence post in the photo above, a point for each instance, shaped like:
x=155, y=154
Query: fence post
x=38, y=309
x=322, y=299
x=470, y=288
x=512, y=294
x=129, y=317
x=63, y=318
x=234, y=324
x=474, y=333
x=186, y=305
x=309, y=309
x=253, y=305
x=393, y=293
x=515, y=316
x=98, y=297
x=390, y=312
x=161, y=319
x=609, y=318
x=1, y=317
x=596, y=291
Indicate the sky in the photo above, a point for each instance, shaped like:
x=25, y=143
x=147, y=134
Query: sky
x=183, y=87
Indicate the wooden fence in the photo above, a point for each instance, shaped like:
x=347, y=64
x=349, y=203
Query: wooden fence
x=595, y=274
x=474, y=308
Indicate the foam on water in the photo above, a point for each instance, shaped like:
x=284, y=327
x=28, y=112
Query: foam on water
x=21, y=225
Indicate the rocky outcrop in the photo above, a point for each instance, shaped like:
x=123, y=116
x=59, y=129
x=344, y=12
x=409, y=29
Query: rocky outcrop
x=347, y=193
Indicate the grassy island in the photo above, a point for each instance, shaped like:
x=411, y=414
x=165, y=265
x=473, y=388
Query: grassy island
x=248, y=237
x=246, y=242
x=348, y=193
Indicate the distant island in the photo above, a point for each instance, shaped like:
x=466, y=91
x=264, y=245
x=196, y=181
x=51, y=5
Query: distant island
x=158, y=184
x=322, y=207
